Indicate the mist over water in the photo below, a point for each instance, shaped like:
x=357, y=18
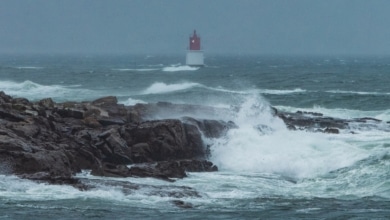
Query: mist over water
x=262, y=165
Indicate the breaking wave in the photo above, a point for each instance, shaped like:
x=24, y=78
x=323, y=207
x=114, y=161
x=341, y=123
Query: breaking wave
x=357, y=92
x=131, y=101
x=263, y=144
x=34, y=91
x=160, y=87
x=179, y=68
x=29, y=67
x=281, y=92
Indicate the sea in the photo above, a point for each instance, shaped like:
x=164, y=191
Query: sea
x=274, y=173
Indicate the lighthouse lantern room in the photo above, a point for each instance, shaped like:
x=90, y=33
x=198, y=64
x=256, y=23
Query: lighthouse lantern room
x=194, y=42
x=194, y=53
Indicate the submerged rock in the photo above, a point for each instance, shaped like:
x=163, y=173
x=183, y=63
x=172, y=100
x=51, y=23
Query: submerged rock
x=165, y=170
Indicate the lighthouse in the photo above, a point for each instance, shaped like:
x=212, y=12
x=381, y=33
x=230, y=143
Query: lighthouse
x=194, y=53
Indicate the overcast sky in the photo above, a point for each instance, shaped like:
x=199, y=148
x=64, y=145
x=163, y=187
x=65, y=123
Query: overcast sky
x=226, y=26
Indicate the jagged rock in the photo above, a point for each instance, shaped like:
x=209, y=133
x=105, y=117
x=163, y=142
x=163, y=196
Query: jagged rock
x=11, y=116
x=111, y=121
x=128, y=188
x=332, y=130
x=71, y=113
x=4, y=98
x=211, y=128
x=311, y=121
x=56, y=163
x=197, y=165
x=52, y=141
x=92, y=122
x=165, y=170
x=105, y=101
x=182, y=204
x=47, y=103
x=114, y=110
x=166, y=140
x=114, y=148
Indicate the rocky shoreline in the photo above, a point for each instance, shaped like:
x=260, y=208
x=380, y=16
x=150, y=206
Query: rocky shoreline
x=51, y=142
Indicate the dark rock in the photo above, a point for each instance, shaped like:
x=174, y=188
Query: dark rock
x=332, y=130
x=211, y=128
x=11, y=116
x=92, y=122
x=51, y=142
x=311, y=121
x=111, y=121
x=197, y=165
x=105, y=101
x=165, y=170
x=71, y=113
x=366, y=119
x=129, y=188
x=114, y=148
x=56, y=163
x=166, y=139
x=182, y=204
x=47, y=103
x=4, y=98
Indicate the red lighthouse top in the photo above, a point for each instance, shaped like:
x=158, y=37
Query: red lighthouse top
x=194, y=42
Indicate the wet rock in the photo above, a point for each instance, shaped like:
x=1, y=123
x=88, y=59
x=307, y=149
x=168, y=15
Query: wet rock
x=111, y=121
x=166, y=140
x=114, y=148
x=182, y=204
x=51, y=141
x=4, y=98
x=332, y=130
x=211, y=128
x=105, y=101
x=197, y=165
x=165, y=170
x=71, y=113
x=11, y=116
x=129, y=188
x=311, y=121
x=92, y=122
x=47, y=103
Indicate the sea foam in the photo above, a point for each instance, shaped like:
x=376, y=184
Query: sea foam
x=262, y=143
x=131, y=101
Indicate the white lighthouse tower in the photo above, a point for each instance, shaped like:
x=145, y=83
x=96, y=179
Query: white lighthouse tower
x=194, y=53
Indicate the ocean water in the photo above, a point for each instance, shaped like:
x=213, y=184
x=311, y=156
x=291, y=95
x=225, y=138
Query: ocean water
x=274, y=173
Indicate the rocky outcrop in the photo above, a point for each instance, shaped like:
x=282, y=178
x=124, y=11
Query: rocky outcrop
x=52, y=141
x=317, y=122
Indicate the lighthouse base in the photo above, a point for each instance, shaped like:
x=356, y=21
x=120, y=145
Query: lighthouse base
x=195, y=58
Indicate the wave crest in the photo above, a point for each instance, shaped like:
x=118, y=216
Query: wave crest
x=179, y=68
x=263, y=144
x=31, y=90
x=160, y=87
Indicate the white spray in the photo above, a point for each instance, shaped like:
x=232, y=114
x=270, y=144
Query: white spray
x=262, y=143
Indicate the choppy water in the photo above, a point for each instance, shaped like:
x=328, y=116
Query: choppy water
x=276, y=173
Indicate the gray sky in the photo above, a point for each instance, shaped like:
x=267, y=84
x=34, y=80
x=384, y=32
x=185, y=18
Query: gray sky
x=226, y=26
